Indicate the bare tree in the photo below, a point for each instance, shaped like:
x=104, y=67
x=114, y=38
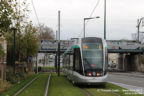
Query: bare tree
x=45, y=33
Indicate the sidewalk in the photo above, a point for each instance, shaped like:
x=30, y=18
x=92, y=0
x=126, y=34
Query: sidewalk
x=134, y=74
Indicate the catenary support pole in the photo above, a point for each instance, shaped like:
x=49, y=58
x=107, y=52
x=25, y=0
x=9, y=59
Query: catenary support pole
x=84, y=28
x=105, y=19
x=58, y=43
x=14, y=48
x=37, y=63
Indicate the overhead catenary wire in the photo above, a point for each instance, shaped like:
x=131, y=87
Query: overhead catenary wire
x=95, y=8
x=35, y=13
x=36, y=16
x=90, y=15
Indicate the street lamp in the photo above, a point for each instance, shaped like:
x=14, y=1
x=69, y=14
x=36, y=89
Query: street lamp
x=138, y=26
x=105, y=19
x=88, y=19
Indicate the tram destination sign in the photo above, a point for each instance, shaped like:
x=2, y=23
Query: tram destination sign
x=53, y=44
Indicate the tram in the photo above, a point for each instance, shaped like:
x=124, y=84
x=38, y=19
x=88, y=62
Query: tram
x=85, y=62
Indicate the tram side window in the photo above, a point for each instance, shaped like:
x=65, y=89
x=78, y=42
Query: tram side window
x=77, y=61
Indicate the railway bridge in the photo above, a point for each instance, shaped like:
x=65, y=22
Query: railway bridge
x=129, y=51
x=114, y=46
x=129, y=54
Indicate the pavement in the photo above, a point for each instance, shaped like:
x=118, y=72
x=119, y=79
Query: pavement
x=129, y=80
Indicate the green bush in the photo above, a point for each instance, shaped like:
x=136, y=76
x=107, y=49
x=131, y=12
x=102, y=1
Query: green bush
x=15, y=78
x=4, y=85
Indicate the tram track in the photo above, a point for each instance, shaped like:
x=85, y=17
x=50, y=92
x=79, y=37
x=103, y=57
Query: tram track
x=47, y=86
x=28, y=84
x=85, y=91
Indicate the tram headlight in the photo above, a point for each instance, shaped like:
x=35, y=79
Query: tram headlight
x=98, y=74
x=89, y=74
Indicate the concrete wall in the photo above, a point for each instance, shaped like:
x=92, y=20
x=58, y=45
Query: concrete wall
x=130, y=62
x=141, y=66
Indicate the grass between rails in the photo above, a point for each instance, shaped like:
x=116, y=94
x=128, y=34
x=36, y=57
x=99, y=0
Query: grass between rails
x=48, y=67
x=60, y=86
x=110, y=90
x=17, y=87
x=37, y=87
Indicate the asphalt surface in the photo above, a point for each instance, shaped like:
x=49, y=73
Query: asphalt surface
x=131, y=81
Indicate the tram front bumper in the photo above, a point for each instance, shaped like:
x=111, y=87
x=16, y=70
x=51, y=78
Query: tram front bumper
x=92, y=80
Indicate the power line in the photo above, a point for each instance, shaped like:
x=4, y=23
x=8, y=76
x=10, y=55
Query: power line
x=91, y=14
x=95, y=8
x=35, y=12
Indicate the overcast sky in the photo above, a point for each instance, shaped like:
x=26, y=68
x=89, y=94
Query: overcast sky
x=122, y=17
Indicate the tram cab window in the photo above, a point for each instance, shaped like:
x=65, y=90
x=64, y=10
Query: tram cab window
x=77, y=61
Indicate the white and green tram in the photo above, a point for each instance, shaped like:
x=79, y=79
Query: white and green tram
x=85, y=62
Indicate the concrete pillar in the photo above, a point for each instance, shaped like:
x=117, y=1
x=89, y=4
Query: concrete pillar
x=132, y=62
x=121, y=62
x=141, y=63
x=136, y=64
x=127, y=63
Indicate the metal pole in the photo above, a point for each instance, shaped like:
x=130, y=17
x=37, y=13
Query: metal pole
x=84, y=28
x=56, y=35
x=56, y=62
x=138, y=21
x=58, y=43
x=37, y=63
x=58, y=58
x=59, y=26
x=14, y=49
x=105, y=19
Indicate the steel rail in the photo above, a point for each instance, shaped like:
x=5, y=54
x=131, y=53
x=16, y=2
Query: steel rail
x=85, y=91
x=18, y=92
x=47, y=86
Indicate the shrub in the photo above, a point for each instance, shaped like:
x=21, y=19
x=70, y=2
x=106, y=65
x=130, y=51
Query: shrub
x=15, y=78
x=4, y=85
x=28, y=74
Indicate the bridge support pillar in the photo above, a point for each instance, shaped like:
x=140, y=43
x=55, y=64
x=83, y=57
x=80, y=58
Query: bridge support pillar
x=132, y=62
x=121, y=62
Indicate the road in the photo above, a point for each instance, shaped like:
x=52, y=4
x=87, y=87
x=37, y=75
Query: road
x=131, y=81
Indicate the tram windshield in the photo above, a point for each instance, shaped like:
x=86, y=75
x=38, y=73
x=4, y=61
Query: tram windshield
x=92, y=55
